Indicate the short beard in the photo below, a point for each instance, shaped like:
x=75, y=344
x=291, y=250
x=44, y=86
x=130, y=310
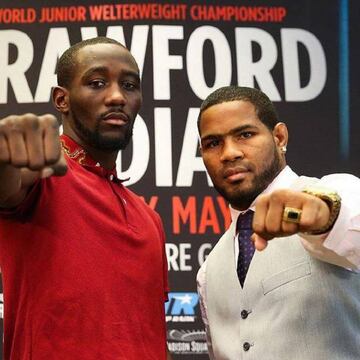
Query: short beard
x=242, y=199
x=99, y=142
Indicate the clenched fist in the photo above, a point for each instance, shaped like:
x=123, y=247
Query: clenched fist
x=29, y=148
x=268, y=221
x=32, y=142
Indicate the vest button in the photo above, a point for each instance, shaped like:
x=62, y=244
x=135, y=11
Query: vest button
x=244, y=314
x=246, y=346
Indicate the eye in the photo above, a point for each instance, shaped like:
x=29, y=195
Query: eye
x=97, y=83
x=246, y=134
x=210, y=144
x=129, y=85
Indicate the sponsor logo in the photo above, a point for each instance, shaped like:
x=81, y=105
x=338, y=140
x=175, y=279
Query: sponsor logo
x=181, y=306
x=186, y=335
x=187, y=342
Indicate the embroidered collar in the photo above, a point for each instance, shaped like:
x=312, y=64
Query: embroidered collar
x=76, y=153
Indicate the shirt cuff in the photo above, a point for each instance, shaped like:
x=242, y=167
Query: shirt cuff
x=341, y=245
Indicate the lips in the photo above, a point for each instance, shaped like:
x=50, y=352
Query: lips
x=116, y=118
x=235, y=174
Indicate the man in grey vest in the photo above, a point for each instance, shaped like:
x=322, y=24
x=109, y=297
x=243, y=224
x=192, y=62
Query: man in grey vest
x=282, y=283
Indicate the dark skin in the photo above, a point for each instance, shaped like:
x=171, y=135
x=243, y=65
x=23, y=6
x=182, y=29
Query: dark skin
x=29, y=149
x=104, y=94
x=98, y=111
x=104, y=97
x=237, y=148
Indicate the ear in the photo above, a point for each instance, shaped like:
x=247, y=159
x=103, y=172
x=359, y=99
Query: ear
x=60, y=98
x=281, y=136
x=199, y=145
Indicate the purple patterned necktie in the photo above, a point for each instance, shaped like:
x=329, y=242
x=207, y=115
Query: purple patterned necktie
x=246, y=246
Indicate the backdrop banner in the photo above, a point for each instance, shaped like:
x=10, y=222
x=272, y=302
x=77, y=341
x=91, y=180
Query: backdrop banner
x=302, y=54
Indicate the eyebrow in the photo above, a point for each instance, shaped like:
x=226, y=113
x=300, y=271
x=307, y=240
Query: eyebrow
x=231, y=132
x=103, y=69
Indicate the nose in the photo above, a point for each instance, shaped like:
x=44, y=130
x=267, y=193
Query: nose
x=115, y=96
x=231, y=151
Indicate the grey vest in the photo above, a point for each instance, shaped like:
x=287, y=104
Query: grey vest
x=292, y=306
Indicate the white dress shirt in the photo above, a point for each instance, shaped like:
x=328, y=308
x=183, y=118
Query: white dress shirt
x=340, y=246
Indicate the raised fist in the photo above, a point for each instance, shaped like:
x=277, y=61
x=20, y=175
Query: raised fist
x=32, y=142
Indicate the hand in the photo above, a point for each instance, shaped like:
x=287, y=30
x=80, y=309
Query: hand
x=268, y=220
x=32, y=142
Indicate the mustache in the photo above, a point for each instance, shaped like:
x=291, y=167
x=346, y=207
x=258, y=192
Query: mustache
x=237, y=167
x=115, y=110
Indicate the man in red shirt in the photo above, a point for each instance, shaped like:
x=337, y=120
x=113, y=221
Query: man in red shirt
x=82, y=257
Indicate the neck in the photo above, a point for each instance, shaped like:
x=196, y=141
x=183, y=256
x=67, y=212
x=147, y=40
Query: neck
x=244, y=201
x=107, y=159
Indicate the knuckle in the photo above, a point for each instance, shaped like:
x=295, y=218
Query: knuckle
x=19, y=123
x=308, y=222
x=310, y=199
x=50, y=121
x=31, y=122
x=7, y=119
x=279, y=195
x=7, y=123
x=28, y=117
x=261, y=199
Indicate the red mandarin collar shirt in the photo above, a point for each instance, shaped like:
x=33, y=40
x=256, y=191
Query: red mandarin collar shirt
x=84, y=269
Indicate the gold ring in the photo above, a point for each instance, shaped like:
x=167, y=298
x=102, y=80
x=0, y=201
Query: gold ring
x=292, y=215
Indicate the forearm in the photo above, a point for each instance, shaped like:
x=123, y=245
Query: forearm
x=15, y=184
x=341, y=246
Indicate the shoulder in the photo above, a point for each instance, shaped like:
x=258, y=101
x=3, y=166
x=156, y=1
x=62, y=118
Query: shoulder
x=341, y=182
x=342, y=178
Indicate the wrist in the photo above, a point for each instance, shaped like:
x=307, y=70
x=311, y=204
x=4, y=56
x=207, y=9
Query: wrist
x=332, y=200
